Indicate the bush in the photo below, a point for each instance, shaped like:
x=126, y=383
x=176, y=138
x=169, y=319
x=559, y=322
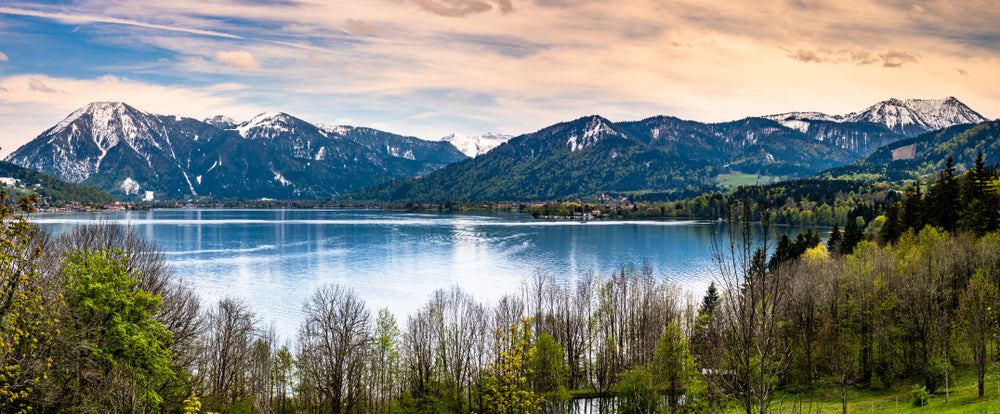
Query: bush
x=920, y=396
x=934, y=374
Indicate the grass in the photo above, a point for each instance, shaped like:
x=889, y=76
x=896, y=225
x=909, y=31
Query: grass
x=737, y=179
x=963, y=399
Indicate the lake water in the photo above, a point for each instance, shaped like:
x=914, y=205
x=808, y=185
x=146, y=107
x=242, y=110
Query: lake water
x=275, y=259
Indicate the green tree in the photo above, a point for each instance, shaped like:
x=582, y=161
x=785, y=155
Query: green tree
x=674, y=370
x=913, y=209
x=548, y=370
x=893, y=227
x=836, y=237
x=385, y=360
x=24, y=319
x=944, y=198
x=121, y=352
x=852, y=236
x=508, y=391
x=636, y=392
x=978, y=321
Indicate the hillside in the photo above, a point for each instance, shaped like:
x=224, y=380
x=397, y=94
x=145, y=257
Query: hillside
x=52, y=190
x=925, y=155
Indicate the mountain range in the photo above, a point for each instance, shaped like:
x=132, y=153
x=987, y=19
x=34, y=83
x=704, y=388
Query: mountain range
x=592, y=155
x=128, y=152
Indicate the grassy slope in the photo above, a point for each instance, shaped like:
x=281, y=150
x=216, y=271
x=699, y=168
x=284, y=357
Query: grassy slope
x=897, y=400
x=742, y=179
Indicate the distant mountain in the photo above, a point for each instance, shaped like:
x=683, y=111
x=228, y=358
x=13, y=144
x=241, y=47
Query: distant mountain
x=912, y=117
x=18, y=181
x=925, y=155
x=128, y=152
x=579, y=158
x=591, y=155
x=750, y=145
x=435, y=154
x=881, y=124
x=473, y=146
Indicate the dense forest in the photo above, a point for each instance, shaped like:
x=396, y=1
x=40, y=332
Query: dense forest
x=95, y=321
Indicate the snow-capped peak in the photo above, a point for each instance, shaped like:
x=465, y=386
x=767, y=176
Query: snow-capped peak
x=221, y=121
x=903, y=116
x=475, y=145
x=274, y=121
x=100, y=112
x=595, y=129
x=911, y=115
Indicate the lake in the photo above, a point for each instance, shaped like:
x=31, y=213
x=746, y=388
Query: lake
x=275, y=259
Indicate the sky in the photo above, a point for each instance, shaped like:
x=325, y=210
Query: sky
x=429, y=68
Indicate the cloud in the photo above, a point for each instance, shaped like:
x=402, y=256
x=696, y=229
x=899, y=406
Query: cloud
x=238, y=59
x=39, y=86
x=87, y=18
x=807, y=56
x=505, y=6
x=961, y=72
x=454, y=8
x=358, y=27
x=896, y=58
x=860, y=57
x=3, y=57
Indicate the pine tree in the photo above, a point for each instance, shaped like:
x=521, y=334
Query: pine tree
x=836, y=236
x=943, y=198
x=913, y=206
x=892, y=228
x=852, y=236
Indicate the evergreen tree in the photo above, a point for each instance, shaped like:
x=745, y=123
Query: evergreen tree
x=943, y=198
x=836, y=236
x=852, y=236
x=913, y=206
x=892, y=228
x=981, y=211
x=710, y=300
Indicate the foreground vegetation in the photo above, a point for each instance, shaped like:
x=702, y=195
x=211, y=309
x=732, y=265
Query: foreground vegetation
x=897, y=308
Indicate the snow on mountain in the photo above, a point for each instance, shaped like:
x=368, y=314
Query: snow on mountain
x=916, y=116
x=267, y=125
x=75, y=147
x=221, y=122
x=800, y=121
x=595, y=129
x=907, y=117
x=475, y=145
x=334, y=129
x=127, y=152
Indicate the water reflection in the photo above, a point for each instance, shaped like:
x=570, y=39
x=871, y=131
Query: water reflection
x=274, y=259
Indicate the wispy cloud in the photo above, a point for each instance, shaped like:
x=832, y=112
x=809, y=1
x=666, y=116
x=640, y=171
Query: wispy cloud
x=359, y=27
x=86, y=18
x=39, y=86
x=889, y=59
x=430, y=67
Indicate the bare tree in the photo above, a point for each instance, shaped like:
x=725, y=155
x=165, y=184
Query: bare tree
x=227, y=352
x=753, y=352
x=334, y=342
